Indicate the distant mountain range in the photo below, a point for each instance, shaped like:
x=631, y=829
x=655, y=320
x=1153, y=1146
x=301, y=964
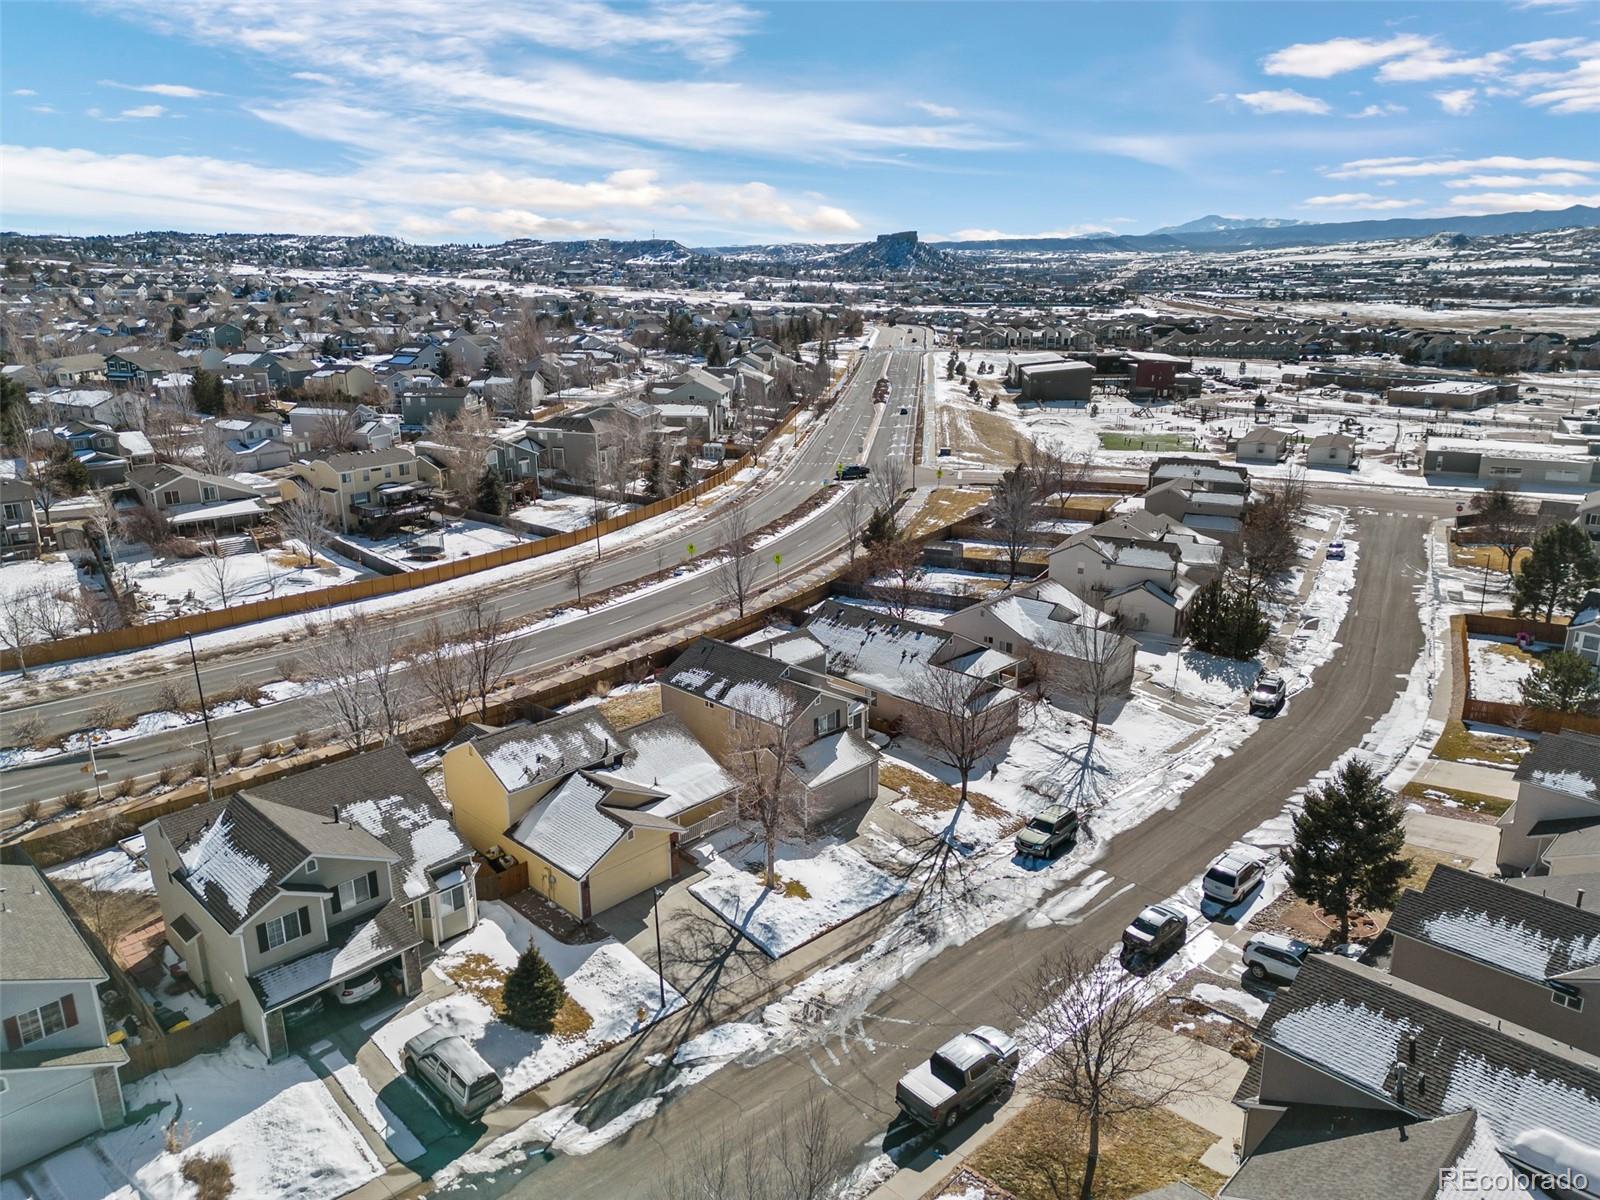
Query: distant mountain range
x=1253, y=237
x=1216, y=224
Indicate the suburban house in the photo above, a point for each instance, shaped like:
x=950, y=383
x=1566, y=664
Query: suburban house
x=1142, y=581
x=363, y=427
x=94, y=405
x=715, y=688
x=19, y=520
x=1528, y=958
x=595, y=816
x=1558, y=796
x=890, y=658
x=256, y=443
x=1369, y=1084
x=73, y=369
x=278, y=892
x=420, y=406
x=1333, y=451
x=1583, y=631
x=1199, y=509
x=1218, y=476
x=1052, y=630
x=349, y=381
x=696, y=402
x=96, y=447
x=361, y=487
x=583, y=444
x=1512, y=462
x=192, y=500
x=59, y=1079
x=140, y=368
x=1588, y=515
x=1264, y=445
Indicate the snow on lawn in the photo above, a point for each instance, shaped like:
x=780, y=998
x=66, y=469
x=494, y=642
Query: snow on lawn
x=276, y=1123
x=607, y=979
x=823, y=884
x=460, y=539
x=173, y=586
x=53, y=573
x=563, y=512
x=1208, y=678
x=1499, y=668
x=119, y=869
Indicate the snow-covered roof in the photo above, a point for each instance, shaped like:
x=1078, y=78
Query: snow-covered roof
x=361, y=945
x=1564, y=762
x=566, y=827
x=664, y=756
x=523, y=755
x=830, y=758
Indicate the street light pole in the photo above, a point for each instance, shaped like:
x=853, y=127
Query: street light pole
x=205, y=715
x=661, y=978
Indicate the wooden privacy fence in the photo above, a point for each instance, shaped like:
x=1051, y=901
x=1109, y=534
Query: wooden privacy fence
x=159, y=1051
x=1554, y=632
x=1523, y=716
x=135, y=637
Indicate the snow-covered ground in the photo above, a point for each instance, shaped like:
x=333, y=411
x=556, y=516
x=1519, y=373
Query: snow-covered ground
x=280, y=1129
x=52, y=574
x=616, y=989
x=170, y=587
x=822, y=884
x=459, y=539
x=564, y=512
x=1499, y=668
x=119, y=869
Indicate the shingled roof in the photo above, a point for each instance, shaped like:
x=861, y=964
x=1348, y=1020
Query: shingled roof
x=1564, y=762
x=1514, y=930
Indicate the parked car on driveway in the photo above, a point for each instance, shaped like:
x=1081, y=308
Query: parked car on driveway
x=1267, y=697
x=1230, y=878
x=1049, y=833
x=963, y=1073
x=453, y=1069
x=1336, y=551
x=1271, y=956
x=358, y=988
x=1156, y=932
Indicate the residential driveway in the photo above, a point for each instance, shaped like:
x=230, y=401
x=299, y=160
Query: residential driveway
x=1468, y=777
x=1475, y=841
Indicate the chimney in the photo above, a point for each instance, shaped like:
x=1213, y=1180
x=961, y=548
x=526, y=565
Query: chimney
x=1579, y=901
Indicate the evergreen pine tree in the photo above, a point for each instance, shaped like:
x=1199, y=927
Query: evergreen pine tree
x=1564, y=682
x=533, y=993
x=881, y=529
x=446, y=366
x=1561, y=569
x=492, y=493
x=1347, y=845
x=1224, y=620
x=207, y=393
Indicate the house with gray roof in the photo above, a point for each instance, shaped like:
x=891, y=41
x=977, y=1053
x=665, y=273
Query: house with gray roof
x=1348, y=1037
x=1558, y=793
x=719, y=690
x=1141, y=579
x=1583, y=631
x=592, y=815
x=281, y=891
x=59, y=1080
x=1517, y=954
x=1221, y=476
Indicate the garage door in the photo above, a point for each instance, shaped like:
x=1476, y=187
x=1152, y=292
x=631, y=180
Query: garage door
x=41, y=1113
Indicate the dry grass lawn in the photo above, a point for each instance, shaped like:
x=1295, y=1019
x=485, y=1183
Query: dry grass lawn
x=1032, y=1152
x=1433, y=795
x=934, y=797
x=572, y=1021
x=1480, y=556
x=945, y=507
x=978, y=433
x=479, y=975
x=632, y=707
x=1459, y=744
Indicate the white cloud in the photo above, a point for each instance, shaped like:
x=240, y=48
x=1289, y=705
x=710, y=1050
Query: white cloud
x=41, y=108
x=1549, y=179
x=1285, y=100
x=936, y=110
x=1548, y=49
x=176, y=91
x=1321, y=60
x=1567, y=92
x=23, y=92
x=1437, y=64
x=205, y=193
x=1361, y=201
x=1458, y=102
x=1157, y=149
x=143, y=112
x=1493, y=202
x=1377, y=110
x=1412, y=167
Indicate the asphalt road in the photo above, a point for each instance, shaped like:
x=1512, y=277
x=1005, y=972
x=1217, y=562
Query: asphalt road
x=855, y=1072
x=841, y=439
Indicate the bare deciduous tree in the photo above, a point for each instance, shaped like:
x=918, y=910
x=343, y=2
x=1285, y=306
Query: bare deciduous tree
x=463, y=442
x=443, y=672
x=147, y=525
x=334, y=428
x=1100, y=1054
x=486, y=641
x=101, y=524
x=1084, y=666
x=218, y=577
x=302, y=518
x=23, y=618
x=889, y=482
x=1013, y=507
x=736, y=572
x=214, y=457
x=768, y=798
x=901, y=563
x=962, y=721
x=853, y=510
x=354, y=667
x=1269, y=541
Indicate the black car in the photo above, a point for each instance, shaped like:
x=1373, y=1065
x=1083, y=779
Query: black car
x=853, y=471
x=1267, y=697
x=1155, y=933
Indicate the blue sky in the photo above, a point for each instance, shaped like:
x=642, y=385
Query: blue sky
x=479, y=120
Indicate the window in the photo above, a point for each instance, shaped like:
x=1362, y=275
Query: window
x=172, y=496
x=356, y=891
x=207, y=492
x=1567, y=1000
x=274, y=933
x=405, y=470
x=42, y=1022
x=311, y=866
x=455, y=899
x=827, y=724
x=1504, y=471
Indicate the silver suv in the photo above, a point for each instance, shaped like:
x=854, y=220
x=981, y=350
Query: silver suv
x=453, y=1069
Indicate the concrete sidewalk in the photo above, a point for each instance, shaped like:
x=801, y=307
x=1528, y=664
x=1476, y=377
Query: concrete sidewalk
x=1475, y=841
x=1468, y=777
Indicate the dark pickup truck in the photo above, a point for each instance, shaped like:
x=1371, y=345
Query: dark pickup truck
x=962, y=1074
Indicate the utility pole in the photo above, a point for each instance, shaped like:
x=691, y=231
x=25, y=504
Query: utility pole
x=661, y=978
x=205, y=716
